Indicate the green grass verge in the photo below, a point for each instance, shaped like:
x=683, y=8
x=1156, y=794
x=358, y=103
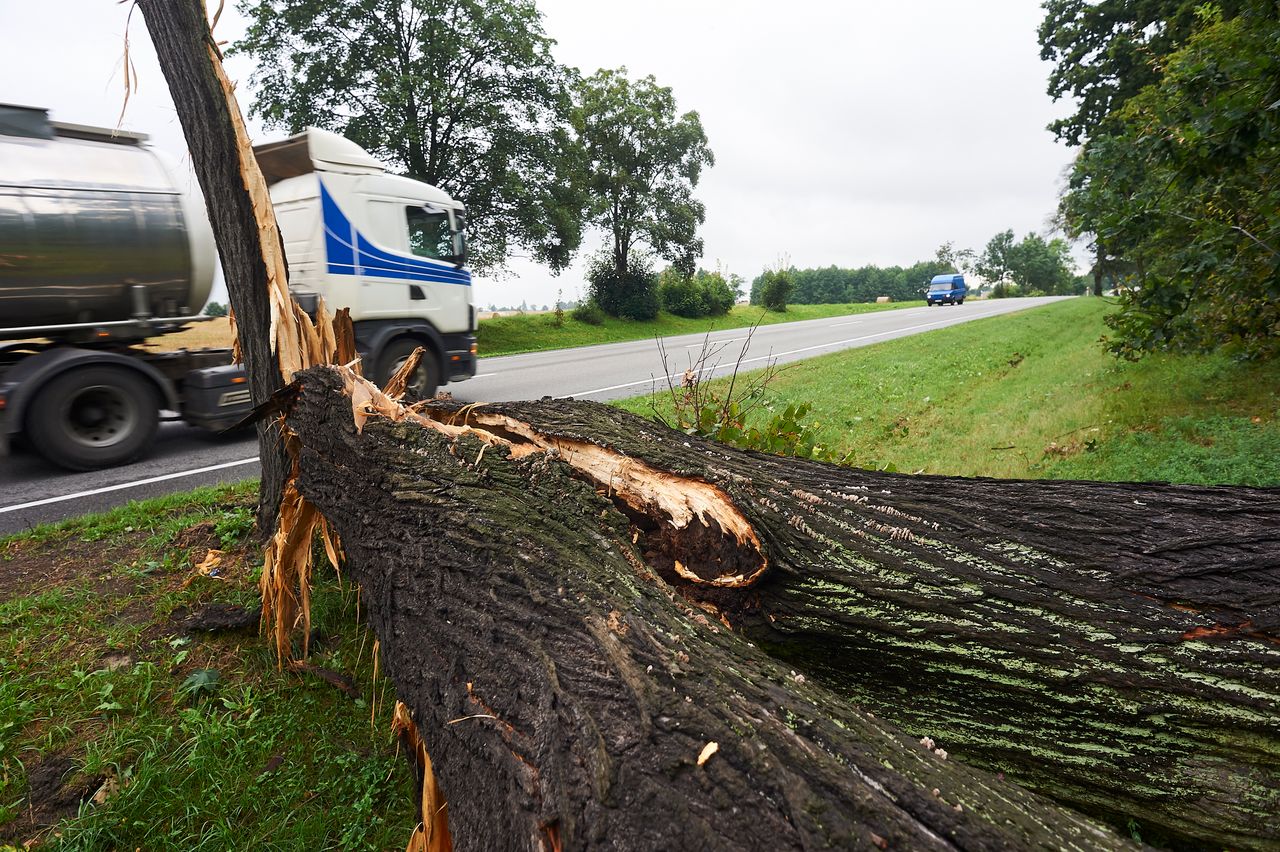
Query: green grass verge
x=1033, y=394
x=96, y=680
x=537, y=332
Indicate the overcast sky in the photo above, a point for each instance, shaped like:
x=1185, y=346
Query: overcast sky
x=844, y=132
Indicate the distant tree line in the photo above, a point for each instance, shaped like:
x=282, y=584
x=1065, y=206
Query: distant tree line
x=837, y=285
x=1032, y=266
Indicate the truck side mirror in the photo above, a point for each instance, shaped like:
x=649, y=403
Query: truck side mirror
x=459, y=249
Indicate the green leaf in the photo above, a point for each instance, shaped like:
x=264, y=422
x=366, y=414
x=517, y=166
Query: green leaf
x=201, y=683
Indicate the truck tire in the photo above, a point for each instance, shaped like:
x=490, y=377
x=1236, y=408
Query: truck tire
x=93, y=417
x=960, y=302
x=425, y=380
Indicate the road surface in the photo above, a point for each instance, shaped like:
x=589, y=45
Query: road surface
x=35, y=492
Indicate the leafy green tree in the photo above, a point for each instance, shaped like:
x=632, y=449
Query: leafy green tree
x=215, y=309
x=704, y=294
x=951, y=259
x=1182, y=186
x=1106, y=51
x=996, y=262
x=775, y=287
x=641, y=163
x=1042, y=267
x=630, y=294
x=834, y=285
x=461, y=94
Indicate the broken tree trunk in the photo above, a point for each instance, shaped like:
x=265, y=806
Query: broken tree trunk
x=240, y=212
x=570, y=637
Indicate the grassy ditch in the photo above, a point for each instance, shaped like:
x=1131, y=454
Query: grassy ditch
x=123, y=725
x=537, y=332
x=1034, y=395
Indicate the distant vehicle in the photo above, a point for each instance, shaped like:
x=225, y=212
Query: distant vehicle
x=101, y=249
x=946, y=290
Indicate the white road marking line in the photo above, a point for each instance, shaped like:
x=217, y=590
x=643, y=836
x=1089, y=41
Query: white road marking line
x=849, y=322
x=713, y=342
x=773, y=355
x=125, y=485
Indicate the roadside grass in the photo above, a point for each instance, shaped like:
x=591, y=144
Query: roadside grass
x=537, y=332
x=1034, y=395
x=121, y=727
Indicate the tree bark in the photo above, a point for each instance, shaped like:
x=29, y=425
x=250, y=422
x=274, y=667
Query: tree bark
x=223, y=163
x=568, y=653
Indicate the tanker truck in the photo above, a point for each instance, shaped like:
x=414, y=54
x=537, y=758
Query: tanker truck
x=102, y=249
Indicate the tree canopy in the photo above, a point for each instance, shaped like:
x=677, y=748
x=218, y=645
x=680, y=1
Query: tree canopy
x=641, y=163
x=1179, y=187
x=1105, y=52
x=461, y=94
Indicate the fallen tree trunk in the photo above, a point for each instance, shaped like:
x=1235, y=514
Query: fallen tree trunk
x=566, y=598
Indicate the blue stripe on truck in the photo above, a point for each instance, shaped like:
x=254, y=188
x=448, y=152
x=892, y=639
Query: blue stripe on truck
x=351, y=253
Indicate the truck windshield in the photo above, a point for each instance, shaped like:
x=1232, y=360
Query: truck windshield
x=429, y=233
x=944, y=286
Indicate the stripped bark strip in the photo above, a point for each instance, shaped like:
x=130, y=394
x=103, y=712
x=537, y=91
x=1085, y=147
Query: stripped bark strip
x=432, y=833
x=248, y=244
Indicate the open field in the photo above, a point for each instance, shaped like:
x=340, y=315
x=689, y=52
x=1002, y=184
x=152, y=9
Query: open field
x=213, y=334
x=188, y=739
x=1034, y=395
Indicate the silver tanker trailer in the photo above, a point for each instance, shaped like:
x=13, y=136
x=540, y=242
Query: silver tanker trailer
x=101, y=248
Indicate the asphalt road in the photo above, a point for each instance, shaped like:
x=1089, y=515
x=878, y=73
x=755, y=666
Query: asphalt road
x=32, y=491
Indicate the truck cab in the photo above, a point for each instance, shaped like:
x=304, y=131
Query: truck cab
x=389, y=248
x=946, y=290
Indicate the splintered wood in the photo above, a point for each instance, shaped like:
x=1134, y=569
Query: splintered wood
x=673, y=501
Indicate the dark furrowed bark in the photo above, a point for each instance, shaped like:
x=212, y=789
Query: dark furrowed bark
x=1111, y=645
x=566, y=691
x=180, y=33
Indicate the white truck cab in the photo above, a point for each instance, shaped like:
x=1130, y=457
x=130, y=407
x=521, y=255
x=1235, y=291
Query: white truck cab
x=388, y=247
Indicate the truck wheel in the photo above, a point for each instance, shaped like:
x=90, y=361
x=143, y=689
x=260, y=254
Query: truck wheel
x=93, y=417
x=960, y=302
x=425, y=379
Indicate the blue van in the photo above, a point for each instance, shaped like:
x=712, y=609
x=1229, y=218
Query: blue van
x=946, y=289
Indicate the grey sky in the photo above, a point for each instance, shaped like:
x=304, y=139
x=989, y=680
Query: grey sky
x=845, y=133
